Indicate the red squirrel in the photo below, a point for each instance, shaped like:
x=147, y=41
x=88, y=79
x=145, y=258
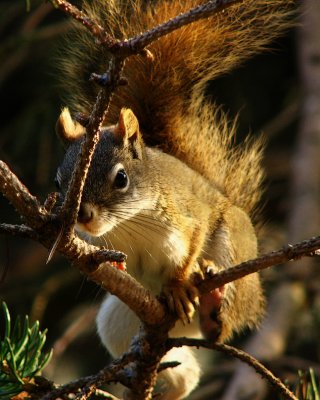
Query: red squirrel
x=166, y=185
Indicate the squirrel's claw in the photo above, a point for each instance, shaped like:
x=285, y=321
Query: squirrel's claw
x=182, y=299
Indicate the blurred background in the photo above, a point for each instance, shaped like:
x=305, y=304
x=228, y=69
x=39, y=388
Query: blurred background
x=276, y=93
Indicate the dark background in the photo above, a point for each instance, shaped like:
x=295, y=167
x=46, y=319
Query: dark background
x=266, y=92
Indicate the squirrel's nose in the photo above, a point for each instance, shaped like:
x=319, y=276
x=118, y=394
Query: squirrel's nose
x=85, y=214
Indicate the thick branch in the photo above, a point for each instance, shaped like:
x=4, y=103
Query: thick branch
x=140, y=300
x=88, y=258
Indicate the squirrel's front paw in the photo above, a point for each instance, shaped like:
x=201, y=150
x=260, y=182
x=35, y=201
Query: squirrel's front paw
x=182, y=298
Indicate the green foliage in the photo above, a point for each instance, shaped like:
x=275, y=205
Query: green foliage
x=307, y=388
x=21, y=356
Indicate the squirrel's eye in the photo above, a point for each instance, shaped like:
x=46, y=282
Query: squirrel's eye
x=121, y=179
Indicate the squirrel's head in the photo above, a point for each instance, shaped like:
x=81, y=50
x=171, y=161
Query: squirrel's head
x=115, y=189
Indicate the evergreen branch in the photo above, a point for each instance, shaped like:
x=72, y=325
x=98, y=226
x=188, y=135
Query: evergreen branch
x=21, y=354
x=307, y=387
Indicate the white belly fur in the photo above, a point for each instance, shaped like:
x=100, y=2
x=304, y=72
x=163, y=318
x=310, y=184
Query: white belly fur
x=153, y=250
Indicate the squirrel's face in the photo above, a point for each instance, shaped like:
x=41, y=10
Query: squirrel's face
x=113, y=190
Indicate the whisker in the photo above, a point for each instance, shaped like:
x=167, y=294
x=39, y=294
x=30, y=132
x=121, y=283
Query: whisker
x=141, y=217
x=127, y=229
x=107, y=242
x=148, y=225
x=138, y=209
x=130, y=225
x=120, y=229
x=147, y=220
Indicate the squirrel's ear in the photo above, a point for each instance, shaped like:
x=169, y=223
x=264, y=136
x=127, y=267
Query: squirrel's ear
x=67, y=129
x=127, y=128
x=128, y=133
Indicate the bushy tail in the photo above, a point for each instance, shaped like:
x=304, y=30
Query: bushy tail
x=166, y=94
x=205, y=140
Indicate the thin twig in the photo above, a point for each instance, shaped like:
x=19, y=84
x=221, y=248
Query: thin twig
x=241, y=355
x=96, y=29
x=18, y=230
x=139, y=42
x=107, y=374
x=258, y=367
x=19, y=196
x=72, y=200
x=290, y=252
x=73, y=197
x=81, y=324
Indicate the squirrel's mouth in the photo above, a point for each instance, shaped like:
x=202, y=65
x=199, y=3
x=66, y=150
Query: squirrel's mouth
x=90, y=222
x=90, y=229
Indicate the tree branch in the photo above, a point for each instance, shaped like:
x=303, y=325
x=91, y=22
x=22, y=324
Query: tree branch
x=241, y=355
x=136, y=44
x=290, y=252
x=72, y=201
x=19, y=230
x=89, y=259
x=56, y=230
x=96, y=29
x=18, y=195
x=107, y=374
